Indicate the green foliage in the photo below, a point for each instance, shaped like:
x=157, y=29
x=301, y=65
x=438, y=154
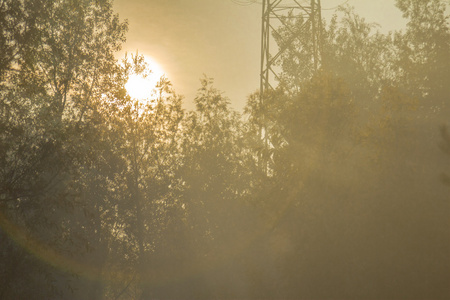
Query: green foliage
x=356, y=53
x=212, y=169
x=423, y=61
x=334, y=172
x=350, y=49
x=58, y=64
x=351, y=163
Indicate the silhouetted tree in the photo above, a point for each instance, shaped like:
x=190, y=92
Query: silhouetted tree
x=423, y=62
x=213, y=179
x=352, y=168
x=57, y=63
x=149, y=207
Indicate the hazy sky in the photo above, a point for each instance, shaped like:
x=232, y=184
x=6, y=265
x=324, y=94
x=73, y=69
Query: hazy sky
x=219, y=38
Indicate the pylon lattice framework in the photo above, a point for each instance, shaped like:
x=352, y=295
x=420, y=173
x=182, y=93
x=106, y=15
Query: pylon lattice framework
x=274, y=16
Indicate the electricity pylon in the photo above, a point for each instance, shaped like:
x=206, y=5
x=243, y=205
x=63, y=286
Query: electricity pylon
x=275, y=23
x=275, y=14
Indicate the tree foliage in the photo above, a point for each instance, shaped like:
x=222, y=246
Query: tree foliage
x=327, y=188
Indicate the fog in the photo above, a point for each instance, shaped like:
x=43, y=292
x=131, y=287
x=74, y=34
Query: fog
x=333, y=184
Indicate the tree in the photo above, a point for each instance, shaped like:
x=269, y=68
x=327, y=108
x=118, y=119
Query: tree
x=57, y=64
x=149, y=205
x=307, y=133
x=423, y=64
x=358, y=54
x=350, y=49
x=213, y=180
x=325, y=190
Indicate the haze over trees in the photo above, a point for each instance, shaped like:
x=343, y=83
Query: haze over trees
x=344, y=196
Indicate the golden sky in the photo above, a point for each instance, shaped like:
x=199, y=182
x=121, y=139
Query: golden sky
x=189, y=38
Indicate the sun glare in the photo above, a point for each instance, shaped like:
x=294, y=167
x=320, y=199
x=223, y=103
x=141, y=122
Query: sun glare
x=140, y=87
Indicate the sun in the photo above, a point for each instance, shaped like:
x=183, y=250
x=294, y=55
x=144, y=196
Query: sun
x=141, y=87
